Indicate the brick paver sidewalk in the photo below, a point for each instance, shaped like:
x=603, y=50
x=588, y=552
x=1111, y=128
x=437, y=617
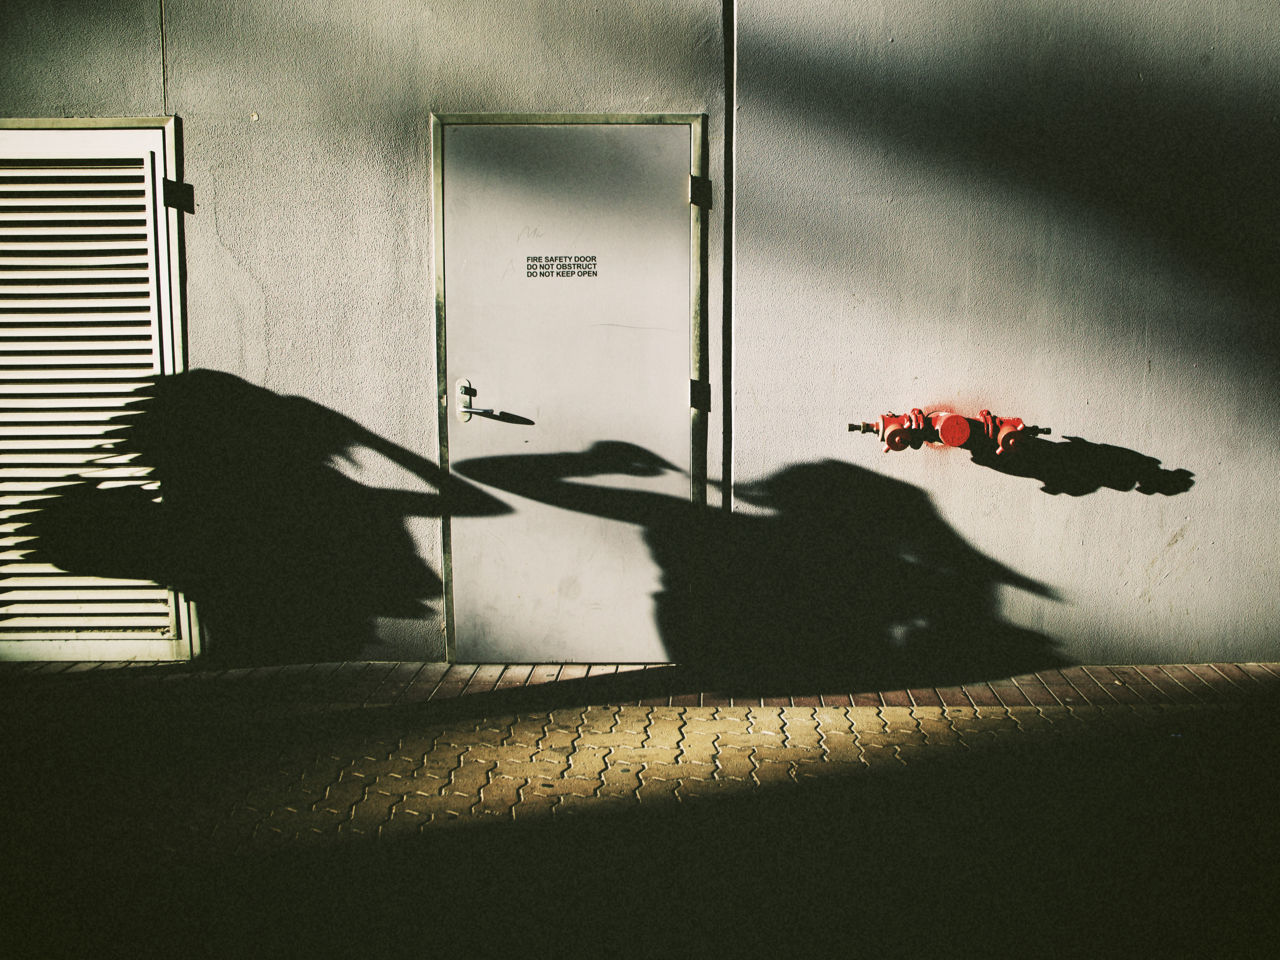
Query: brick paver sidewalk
x=405, y=747
x=1066, y=792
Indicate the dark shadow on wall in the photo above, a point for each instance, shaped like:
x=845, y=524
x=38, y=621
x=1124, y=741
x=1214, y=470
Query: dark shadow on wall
x=850, y=578
x=1078, y=467
x=288, y=558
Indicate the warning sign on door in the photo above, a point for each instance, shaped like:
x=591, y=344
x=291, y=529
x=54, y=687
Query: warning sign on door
x=578, y=265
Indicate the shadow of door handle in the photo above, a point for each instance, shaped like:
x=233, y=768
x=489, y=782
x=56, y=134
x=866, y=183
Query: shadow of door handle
x=499, y=415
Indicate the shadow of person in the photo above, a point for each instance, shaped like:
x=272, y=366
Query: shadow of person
x=1078, y=467
x=842, y=575
x=287, y=557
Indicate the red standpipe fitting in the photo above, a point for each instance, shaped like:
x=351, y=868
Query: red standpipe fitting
x=899, y=431
x=953, y=429
x=1007, y=432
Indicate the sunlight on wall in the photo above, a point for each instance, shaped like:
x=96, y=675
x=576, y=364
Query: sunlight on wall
x=1048, y=211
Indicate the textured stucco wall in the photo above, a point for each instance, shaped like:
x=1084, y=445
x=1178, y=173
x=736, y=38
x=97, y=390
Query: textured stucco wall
x=1059, y=210
x=1062, y=211
x=307, y=140
x=81, y=58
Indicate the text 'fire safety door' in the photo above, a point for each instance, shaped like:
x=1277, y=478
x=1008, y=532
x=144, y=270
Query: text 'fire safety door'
x=566, y=272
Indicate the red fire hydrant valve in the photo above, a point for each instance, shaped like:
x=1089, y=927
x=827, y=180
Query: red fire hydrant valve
x=953, y=429
x=946, y=428
x=1008, y=432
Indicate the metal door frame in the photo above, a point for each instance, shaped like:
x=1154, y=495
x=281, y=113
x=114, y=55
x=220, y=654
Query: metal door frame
x=700, y=392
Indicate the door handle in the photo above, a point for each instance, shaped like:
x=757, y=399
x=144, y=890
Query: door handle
x=463, y=392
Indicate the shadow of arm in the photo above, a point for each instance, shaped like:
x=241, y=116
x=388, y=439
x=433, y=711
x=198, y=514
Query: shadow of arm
x=546, y=478
x=455, y=496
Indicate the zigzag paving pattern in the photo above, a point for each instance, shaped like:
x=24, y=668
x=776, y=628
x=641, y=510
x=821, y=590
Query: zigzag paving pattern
x=331, y=809
x=396, y=750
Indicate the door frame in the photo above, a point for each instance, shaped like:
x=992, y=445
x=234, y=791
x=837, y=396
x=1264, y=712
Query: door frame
x=699, y=365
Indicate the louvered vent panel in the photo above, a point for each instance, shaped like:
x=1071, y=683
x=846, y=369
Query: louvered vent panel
x=81, y=332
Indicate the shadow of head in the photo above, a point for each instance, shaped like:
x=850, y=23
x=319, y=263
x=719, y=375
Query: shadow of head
x=288, y=556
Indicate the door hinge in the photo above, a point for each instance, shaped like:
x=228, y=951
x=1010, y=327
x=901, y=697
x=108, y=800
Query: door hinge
x=180, y=196
x=700, y=192
x=700, y=395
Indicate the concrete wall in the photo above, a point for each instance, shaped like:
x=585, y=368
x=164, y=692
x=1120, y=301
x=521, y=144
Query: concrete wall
x=1062, y=211
x=307, y=140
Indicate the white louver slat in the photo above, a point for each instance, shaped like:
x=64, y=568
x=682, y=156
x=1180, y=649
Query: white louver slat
x=88, y=319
